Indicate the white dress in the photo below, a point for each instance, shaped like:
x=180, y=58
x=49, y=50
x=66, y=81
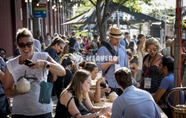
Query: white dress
x=28, y=104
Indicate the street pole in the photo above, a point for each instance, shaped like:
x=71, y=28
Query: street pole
x=117, y=19
x=177, y=51
x=31, y=17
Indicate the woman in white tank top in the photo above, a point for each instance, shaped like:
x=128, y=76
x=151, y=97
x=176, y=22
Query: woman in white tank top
x=27, y=104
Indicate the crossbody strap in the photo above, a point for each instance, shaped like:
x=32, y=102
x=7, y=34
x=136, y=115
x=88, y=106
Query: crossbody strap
x=151, y=65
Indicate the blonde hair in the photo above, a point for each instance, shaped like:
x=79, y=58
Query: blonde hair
x=79, y=78
x=152, y=41
x=24, y=32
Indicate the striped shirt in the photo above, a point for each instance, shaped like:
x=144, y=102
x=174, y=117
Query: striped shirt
x=135, y=103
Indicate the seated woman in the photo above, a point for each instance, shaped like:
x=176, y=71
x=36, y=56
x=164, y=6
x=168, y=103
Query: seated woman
x=93, y=69
x=75, y=100
x=136, y=71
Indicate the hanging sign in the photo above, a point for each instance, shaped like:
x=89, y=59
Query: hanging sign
x=39, y=11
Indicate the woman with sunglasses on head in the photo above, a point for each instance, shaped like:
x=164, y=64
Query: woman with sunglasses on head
x=136, y=71
x=101, y=85
x=26, y=104
x=75, y=100
x=151, y=78
x=54, y=49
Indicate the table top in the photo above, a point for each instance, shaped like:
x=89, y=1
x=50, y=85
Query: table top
x=105, y=104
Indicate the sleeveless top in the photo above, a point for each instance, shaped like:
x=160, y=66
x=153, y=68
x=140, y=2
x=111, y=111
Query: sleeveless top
x=28, y=104
x=156, y=78
x=62, y=110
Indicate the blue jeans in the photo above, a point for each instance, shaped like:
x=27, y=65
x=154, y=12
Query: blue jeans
x=47, y=115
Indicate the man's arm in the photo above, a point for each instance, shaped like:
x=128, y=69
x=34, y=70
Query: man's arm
x=1, y=77
x=159, y=93
x=102, y=65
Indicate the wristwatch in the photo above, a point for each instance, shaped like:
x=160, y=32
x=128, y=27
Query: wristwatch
x=47, y=65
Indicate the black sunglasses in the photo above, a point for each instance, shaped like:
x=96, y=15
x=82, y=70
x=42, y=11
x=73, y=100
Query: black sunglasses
x=23, y=45
x=2, y=53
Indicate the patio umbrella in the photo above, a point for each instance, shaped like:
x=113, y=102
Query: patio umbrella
x=89, y=17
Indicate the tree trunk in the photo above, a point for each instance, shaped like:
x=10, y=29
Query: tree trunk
x=103, y=31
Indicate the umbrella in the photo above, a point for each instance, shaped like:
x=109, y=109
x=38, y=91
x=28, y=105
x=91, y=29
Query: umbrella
x=89, y=17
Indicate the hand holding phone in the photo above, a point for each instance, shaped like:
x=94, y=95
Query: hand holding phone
x=28, y=63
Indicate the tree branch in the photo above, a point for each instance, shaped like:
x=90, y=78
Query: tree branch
x=92, y=2
x=98, y=14
x=105, y=12
x=120, y=4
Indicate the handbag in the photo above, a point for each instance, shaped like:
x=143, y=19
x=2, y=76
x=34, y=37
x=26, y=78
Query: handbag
x=45, y=91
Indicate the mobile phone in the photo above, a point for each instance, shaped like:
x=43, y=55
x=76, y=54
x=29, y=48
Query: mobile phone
x=27, y=62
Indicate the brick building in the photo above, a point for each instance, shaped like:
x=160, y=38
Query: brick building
x=16, y=14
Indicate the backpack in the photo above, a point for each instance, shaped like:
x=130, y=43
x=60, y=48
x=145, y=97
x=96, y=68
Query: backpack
x=111, y=50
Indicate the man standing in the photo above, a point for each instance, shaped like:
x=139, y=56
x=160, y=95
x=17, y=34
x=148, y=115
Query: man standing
x=166, y=68
x=108, y=66
x=133, y=102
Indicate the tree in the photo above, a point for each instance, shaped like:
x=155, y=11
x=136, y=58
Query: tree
x=102, y=18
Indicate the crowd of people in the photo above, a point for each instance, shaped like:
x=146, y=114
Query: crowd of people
x=137, y=69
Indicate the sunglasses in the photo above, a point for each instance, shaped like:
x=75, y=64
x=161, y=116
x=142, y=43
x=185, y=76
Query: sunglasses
x=23, y=45
x=132, y=68
x=152, y=50
x=2, y=53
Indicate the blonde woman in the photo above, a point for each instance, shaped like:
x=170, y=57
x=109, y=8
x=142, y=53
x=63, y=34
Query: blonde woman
x=151, y=78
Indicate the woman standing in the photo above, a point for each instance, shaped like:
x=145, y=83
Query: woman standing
x=140, y=47
x=151, y=78
x=26, y=104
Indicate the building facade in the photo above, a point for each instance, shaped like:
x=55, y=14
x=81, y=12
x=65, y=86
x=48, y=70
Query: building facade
x=17, y=14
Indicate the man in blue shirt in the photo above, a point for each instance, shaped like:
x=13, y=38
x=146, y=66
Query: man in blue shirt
x=133, y=102
x=166, y=68
x=109, y=63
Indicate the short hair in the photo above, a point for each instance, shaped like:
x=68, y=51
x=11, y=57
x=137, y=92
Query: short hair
x=152, y=41
x=24, y=32
x=72, y=42
x=123, y=77
x=126, y=33
x=169, y=62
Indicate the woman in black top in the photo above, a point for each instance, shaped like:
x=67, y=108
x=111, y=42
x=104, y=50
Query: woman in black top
x=75, y=100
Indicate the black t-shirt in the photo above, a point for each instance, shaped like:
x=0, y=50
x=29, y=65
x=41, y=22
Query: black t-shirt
x=52, y=52
x=62, y=82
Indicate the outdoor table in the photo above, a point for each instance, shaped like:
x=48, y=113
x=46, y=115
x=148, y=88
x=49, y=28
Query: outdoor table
x=105, y=104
